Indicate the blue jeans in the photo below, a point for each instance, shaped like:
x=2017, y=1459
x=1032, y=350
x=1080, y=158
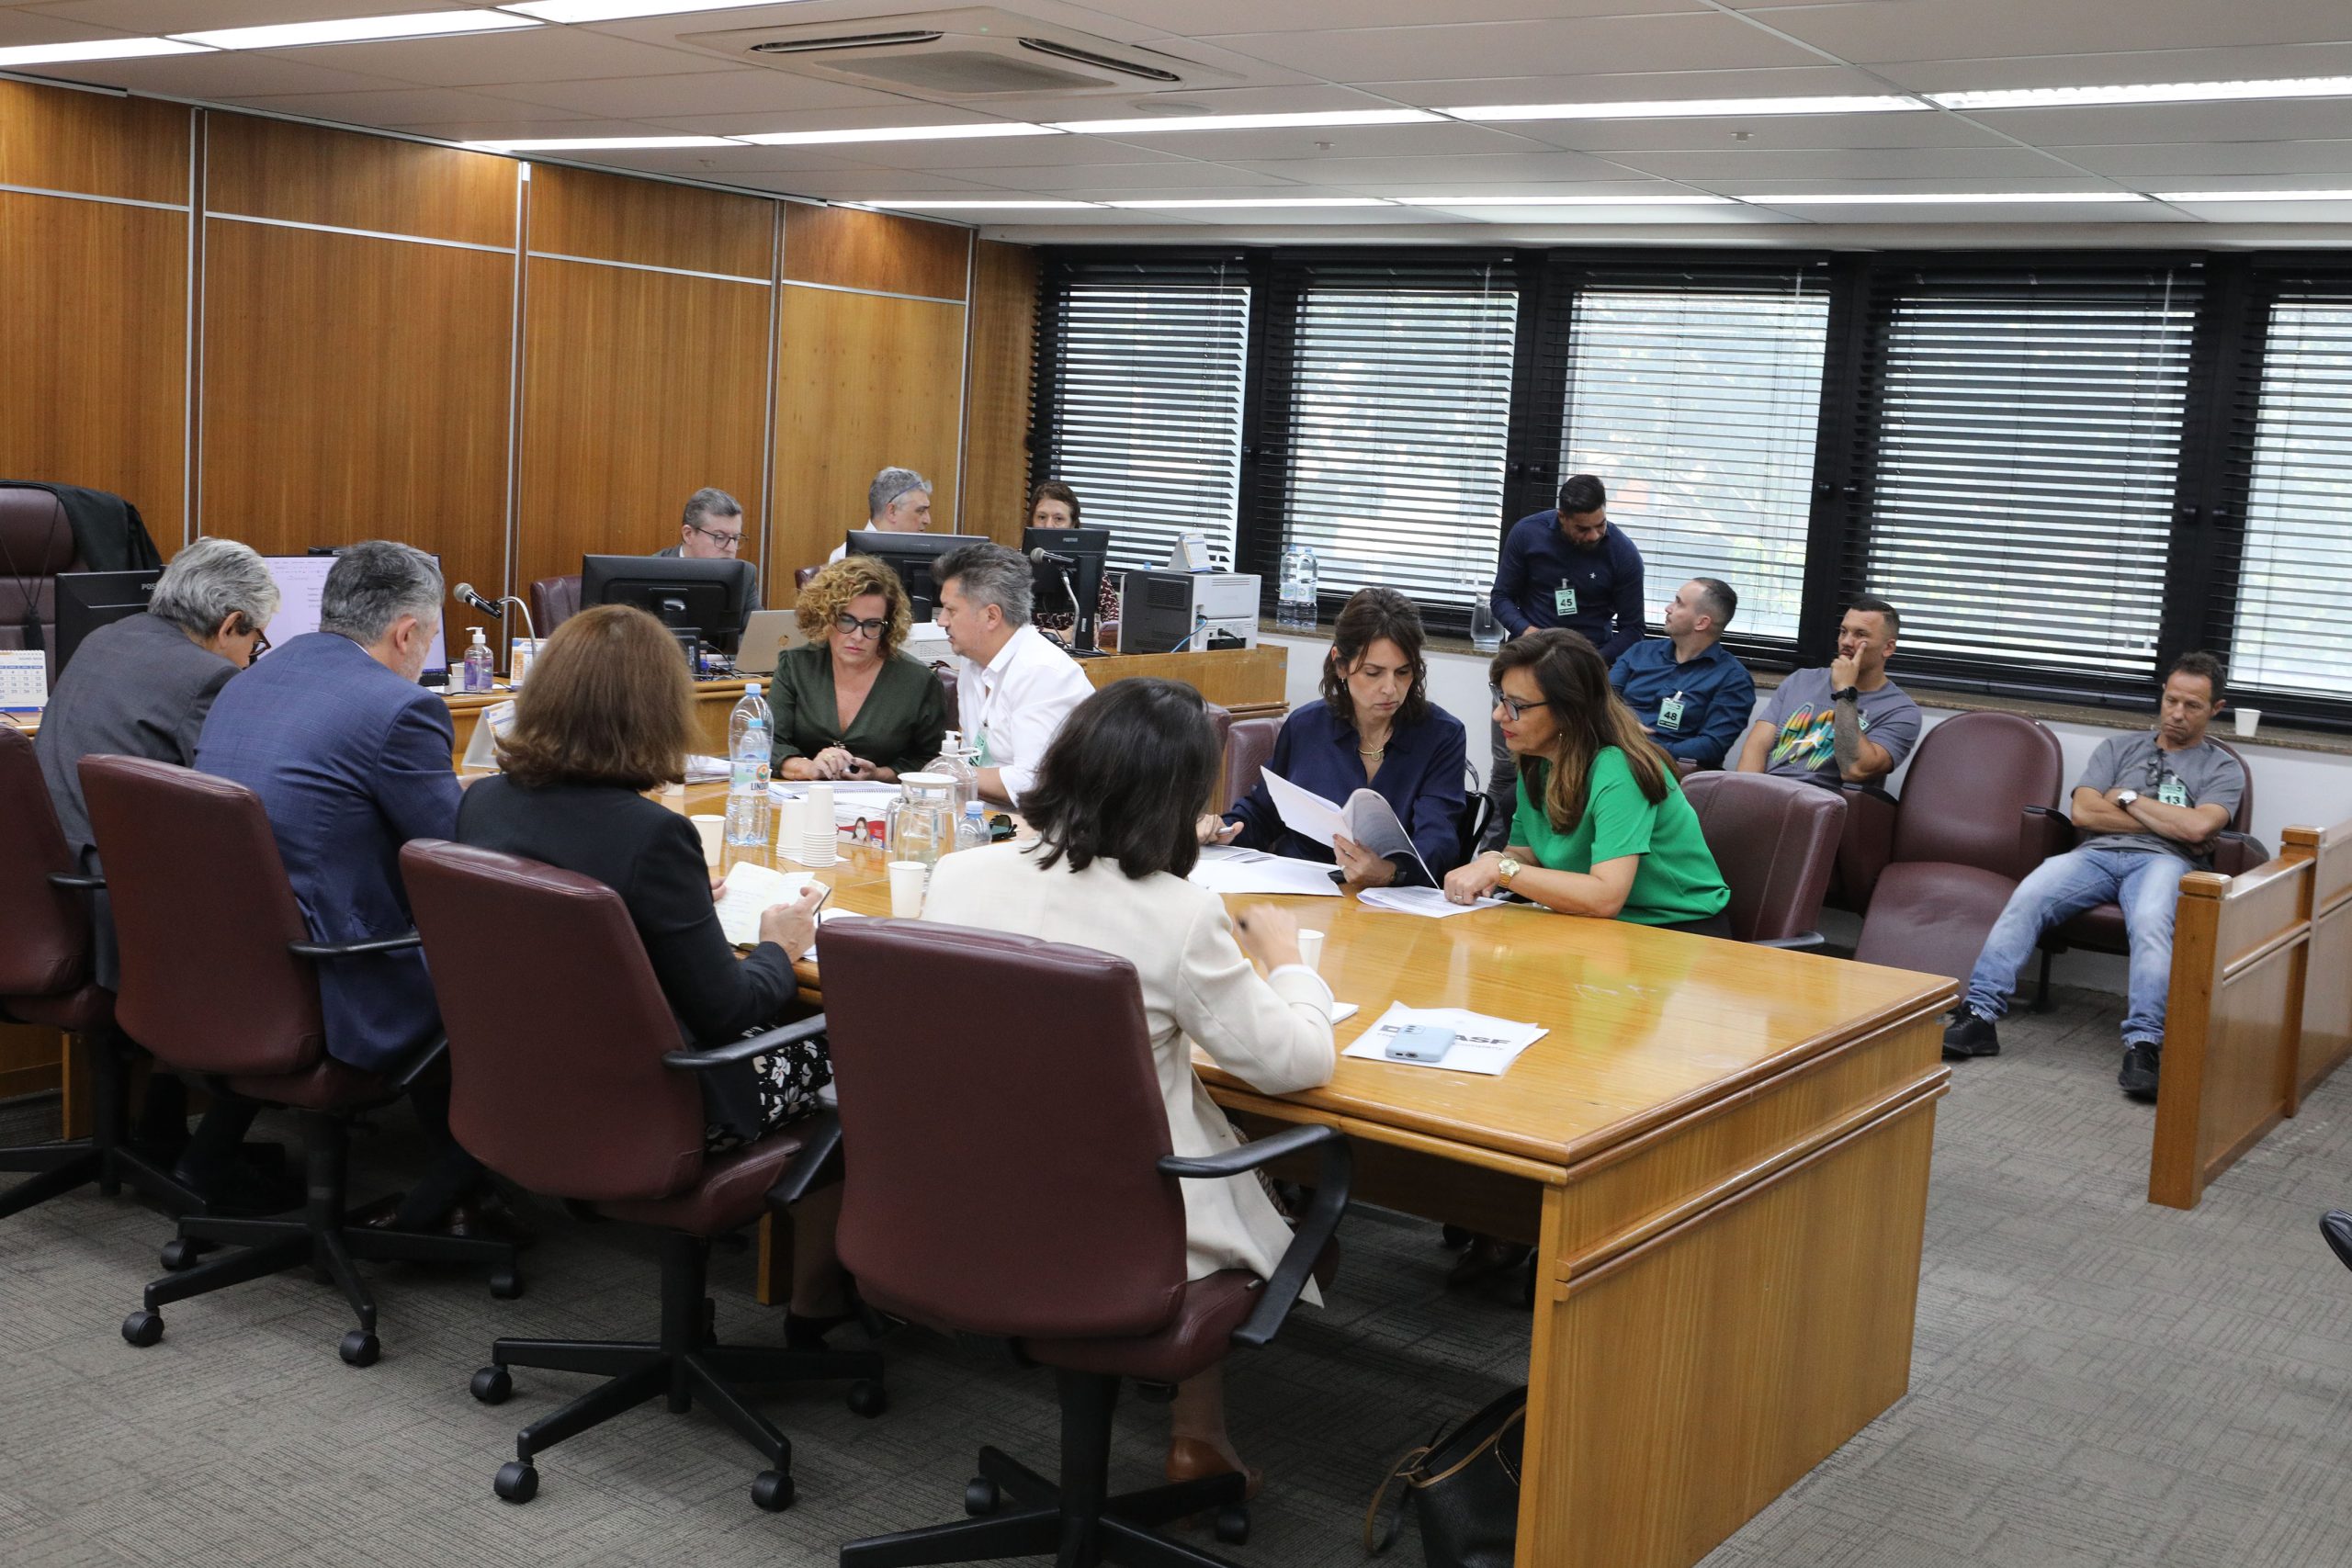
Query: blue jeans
x=2146, y=883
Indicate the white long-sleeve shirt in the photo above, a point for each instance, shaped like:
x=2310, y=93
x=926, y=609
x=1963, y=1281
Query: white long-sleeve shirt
x=1012, y=706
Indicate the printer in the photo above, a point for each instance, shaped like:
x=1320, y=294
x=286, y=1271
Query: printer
x=1162, y=609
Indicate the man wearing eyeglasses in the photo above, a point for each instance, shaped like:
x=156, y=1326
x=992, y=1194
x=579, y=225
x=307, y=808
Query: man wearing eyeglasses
x=2149, y=809
x=712, y=528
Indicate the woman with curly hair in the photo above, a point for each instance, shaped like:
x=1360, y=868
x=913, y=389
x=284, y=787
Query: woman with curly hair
x=850, y=706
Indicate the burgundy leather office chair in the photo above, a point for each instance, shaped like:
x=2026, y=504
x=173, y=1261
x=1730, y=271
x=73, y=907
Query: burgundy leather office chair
x=1774, y=839
x=554, y=600
x=1973, y=822
x=1067, y=1241
x=584, y=1095
x=45, y=979
x=2101, y=929
x=36, y=543
x=1247, y=747
x=219, y=978
x=803, y=576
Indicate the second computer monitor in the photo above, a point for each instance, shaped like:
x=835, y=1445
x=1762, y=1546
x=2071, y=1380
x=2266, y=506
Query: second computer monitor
x=1091, y=548
x=88, y=600
x=711, y=596
x=301, y=586
x=910, y=554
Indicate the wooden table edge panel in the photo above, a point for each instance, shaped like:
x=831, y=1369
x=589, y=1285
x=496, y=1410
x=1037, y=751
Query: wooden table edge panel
x=1286, y=1108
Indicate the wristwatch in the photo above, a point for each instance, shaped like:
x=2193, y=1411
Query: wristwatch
x=2124, y=798
x=1847, y=695
x=1505, y=869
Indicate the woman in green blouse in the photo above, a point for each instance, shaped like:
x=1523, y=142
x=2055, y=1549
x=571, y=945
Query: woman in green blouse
x=850, y=706
x=1603, y=827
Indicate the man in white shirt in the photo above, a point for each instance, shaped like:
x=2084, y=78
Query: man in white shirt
x=1012, y=687
x=897, y=501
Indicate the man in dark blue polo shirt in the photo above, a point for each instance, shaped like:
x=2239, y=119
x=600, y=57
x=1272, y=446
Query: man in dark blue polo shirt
x=1563, y=568
x=1688, y=690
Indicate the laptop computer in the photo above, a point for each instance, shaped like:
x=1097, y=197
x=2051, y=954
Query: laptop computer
x=765, y=636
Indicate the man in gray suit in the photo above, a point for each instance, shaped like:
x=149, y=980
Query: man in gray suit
x=142, y=687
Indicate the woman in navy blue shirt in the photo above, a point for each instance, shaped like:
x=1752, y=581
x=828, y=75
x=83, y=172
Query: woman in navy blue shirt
x=1375, y=728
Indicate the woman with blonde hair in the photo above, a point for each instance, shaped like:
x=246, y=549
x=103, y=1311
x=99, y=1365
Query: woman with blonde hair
x=849, y=704
x=608, y=715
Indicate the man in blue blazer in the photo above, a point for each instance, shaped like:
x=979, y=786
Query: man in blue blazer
x=351, y=758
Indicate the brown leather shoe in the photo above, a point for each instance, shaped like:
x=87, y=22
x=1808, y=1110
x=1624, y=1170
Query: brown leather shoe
x=1485, y=1258
x=1189, y=1458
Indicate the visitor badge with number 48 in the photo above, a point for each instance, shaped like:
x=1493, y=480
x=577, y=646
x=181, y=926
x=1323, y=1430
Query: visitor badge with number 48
x=1670, y=712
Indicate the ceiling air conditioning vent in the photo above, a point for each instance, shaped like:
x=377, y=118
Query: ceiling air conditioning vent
x=970, y=52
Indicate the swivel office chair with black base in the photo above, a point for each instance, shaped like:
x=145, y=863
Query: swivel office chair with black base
x=1068, y=1243
x=45, y=979
x=220, y=979
x=586, y=1096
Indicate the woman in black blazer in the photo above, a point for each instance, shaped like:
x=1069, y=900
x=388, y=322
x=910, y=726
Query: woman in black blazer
x=608, y=715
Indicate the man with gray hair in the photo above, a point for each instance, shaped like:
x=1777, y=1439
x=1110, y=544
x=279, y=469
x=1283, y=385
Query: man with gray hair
x=1012, y=687
x=897, y=501
x=712, y=528
x=352, y=758
x=142, y=687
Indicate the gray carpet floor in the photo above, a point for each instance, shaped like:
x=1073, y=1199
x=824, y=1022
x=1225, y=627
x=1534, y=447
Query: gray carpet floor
x=2095, y=1381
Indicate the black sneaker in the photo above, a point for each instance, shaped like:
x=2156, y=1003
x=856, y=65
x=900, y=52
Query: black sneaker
x=1965, y=1034
x=2142, y=1060
x=2336, y=1227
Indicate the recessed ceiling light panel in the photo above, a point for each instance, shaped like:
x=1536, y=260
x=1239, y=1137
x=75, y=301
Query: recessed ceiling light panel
x=95, y=49
x=2211, y=196
x=1245, y=122
x=1944, y=198
x=2146, y=93
x=1690, y=108
x=897, y=133
x=597, y=143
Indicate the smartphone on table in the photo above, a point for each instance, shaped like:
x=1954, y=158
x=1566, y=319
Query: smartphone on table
x=1420, y=1042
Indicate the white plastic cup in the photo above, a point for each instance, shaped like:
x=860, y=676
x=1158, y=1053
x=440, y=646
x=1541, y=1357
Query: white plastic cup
x=1310, y=949
x=2246, y=718
x=713, y=830
x=908, y=878
x=791, y=814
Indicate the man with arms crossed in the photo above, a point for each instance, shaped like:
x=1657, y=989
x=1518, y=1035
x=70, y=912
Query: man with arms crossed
x=1563, y=568
x=1846, y=723
x=712, y=528
x=1689, y=692
x=1012, y=687
x=897, y=501
x=2150, y=806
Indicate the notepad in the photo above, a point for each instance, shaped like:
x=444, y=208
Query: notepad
x=750, y=890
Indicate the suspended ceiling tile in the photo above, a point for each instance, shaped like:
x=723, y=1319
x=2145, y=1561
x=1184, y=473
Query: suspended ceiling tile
x=1437, y=139
x=750, y=91
x=219, y=76
x=858, y=185
x=1317, y=97
x=1928, y=127
x=2241, y=64
x=1709, y=41
x=1604, y=216
x=149, y=16
x=1874, y=31
x=1173, y=177
x=1605, y=84
x=1206, y=18
x=409, y=105
x=534, y=55
x=2297, y=119
x=2299, y=213
x=2174, y=163
x=18, y=28
x=1974, y=164
x=1462, y=171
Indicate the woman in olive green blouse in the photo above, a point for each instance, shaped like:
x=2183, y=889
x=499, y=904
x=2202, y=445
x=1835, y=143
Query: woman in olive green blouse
x=850, y=706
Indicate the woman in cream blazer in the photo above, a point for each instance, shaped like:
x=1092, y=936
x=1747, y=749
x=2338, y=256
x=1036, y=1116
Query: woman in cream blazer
x=1115, y=809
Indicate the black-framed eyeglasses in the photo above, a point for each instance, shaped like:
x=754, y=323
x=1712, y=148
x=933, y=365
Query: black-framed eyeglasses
x=1512, y=705
x=261, y=643
x=724, y=541
x=850, y=625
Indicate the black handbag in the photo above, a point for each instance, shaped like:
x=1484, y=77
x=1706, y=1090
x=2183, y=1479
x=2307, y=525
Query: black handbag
x=1464, y=1486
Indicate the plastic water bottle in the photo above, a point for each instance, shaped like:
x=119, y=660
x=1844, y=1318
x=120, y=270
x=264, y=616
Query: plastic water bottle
x=956, y=759
x=1296, y=609
x=748, y=751
x=478, y=659
x=972, y=833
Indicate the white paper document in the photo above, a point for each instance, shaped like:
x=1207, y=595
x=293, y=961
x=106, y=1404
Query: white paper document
x=481, y=747
x=1481, y=1045
x=708, y=770
x=826, y=917
x=1229, y=868
x=1367, y=820
x=750, y=888
x=1429, y=901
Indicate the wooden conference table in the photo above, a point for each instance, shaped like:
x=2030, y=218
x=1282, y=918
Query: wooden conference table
x=1719, y=1152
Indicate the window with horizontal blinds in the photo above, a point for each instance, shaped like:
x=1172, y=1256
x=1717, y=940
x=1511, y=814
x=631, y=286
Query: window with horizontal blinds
x=2291, y=635
x=1696, y=399
x=1394, y=429
x=1139, y=400
x=2019, y=444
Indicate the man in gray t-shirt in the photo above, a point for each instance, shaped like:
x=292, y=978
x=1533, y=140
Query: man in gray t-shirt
x=2149, y=809
x=1847, y=722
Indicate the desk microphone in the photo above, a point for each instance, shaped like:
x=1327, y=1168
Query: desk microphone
x=464, y=593
x=1044, y=557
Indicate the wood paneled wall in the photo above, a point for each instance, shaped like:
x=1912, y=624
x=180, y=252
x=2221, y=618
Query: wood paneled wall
x=94, y=344
x=640, y=386
x=387, y=338
x=996, y=399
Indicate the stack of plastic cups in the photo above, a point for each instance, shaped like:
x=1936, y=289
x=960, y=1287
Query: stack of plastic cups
x=819, y=837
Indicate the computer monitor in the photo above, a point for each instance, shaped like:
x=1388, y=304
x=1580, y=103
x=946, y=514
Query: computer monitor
x=1090, y=548
x=710, y=597
x=302, y=583
x=910, y=555
x=88, y=600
